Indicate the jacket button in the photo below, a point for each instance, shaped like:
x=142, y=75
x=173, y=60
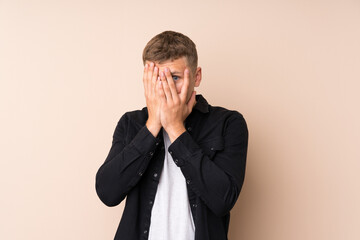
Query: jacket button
x=151, y=153
x=150, y=202
x=170, y=152
x=155, y=174
x=156, y=143
x=188, y=181
x=145, y=231
x=176, y=160
x=189, y=128
x=212, y=148
x=140, y=173
x=194, y=205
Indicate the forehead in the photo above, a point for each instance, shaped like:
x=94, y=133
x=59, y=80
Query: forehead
x=177, y=64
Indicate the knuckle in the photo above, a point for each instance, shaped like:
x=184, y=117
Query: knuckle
x=154, y=76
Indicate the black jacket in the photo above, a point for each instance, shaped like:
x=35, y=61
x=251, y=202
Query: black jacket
x=211, y=154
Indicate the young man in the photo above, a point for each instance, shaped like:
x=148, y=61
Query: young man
x=179, y=161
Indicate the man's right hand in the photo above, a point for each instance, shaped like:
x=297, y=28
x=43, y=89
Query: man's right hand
x=150, y=78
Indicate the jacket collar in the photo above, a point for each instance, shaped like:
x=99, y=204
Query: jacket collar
x=201, y=104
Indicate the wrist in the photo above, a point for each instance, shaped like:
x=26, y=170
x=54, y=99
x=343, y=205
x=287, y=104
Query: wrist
x=153, y=128
x=175, y=132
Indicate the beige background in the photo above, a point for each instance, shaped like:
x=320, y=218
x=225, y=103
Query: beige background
x=70, y=69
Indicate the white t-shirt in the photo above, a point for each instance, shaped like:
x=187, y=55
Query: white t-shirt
x=171, y=216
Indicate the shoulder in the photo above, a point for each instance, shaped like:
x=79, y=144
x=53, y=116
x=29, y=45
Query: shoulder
x=137, y=117
x=230, y=120
x=219, y=112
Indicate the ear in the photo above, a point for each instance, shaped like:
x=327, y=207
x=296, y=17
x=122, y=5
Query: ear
x=197, y=76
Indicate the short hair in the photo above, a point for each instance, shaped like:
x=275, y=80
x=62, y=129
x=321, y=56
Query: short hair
x=170, y=45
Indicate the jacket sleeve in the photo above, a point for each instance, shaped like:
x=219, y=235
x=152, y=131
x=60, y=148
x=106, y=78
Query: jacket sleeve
x=125, y=163
x=216, y=181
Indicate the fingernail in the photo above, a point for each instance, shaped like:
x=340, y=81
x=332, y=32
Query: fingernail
x=155, y=68
x=166, y=69
x=162, y=73
x=151, y=64
x=146, y=65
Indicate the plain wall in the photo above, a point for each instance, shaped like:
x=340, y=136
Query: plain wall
x=70, y=69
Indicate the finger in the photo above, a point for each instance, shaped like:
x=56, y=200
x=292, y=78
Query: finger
x=165, y=87
x=159, y=88
x=154, y=79
x=185, y=86
x=149, y=75
x=171, y=84
x=145, y=78
x=160, y=91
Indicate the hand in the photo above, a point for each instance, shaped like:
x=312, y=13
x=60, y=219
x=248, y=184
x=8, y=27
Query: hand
x=153, y=101
x=174, y=106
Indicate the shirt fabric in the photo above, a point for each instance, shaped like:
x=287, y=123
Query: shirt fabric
x=171, y=216
x=211, y=155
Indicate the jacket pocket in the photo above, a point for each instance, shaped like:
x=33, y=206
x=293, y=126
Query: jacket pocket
x=212, y=146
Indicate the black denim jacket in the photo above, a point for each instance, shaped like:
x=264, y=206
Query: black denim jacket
x=211, y=154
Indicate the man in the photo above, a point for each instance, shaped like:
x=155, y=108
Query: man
x=179, y=161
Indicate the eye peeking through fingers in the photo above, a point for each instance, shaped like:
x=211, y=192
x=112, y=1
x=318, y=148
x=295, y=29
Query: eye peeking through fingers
x=175, y=78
